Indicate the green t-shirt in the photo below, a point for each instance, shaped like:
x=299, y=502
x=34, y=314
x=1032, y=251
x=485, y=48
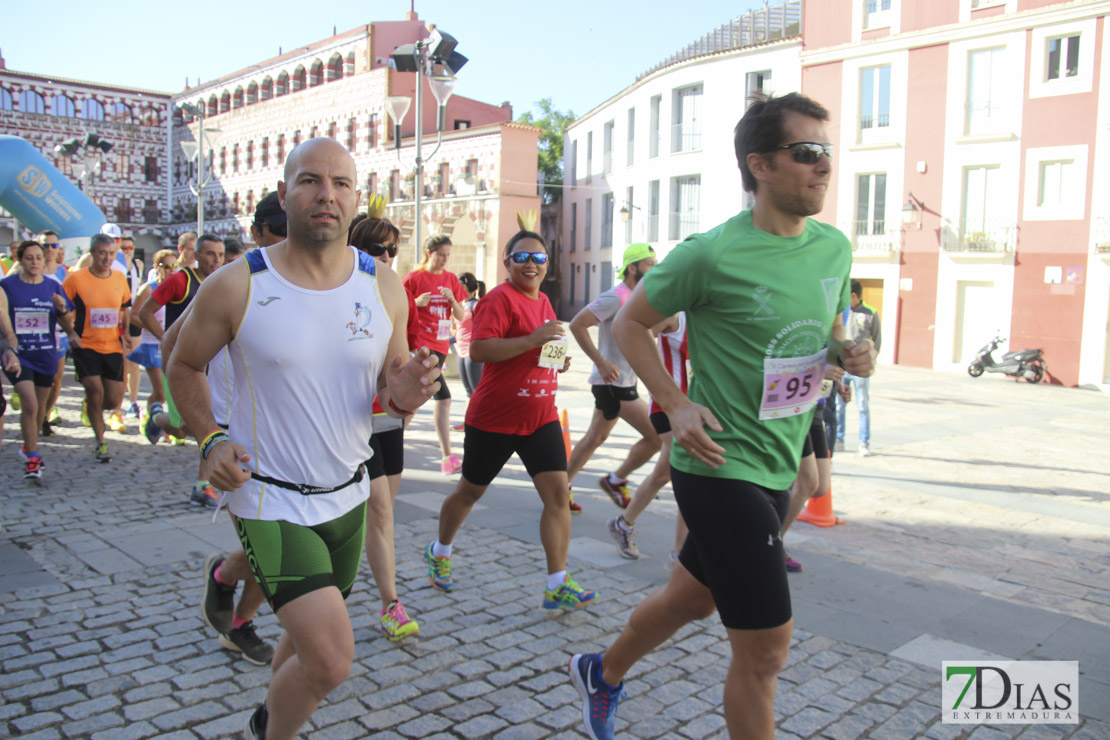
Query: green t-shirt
x=751, y=295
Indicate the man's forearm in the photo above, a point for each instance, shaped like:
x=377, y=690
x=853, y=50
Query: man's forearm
x=191, y=395
x=586, y=343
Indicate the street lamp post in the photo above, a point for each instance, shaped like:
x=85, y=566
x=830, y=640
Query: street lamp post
x=435, y=58
x=194, y=151
x=93, y=148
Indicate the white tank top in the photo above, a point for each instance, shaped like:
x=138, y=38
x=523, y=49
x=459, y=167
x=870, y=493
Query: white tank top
x=220, y=383
x=306, y=366
x=160, y=316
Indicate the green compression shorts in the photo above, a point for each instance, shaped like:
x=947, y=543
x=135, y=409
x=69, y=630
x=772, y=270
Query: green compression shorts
x=171, y=409
x=290, y=560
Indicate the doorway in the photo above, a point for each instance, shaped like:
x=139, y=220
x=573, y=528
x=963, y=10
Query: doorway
x=873, y=294
x=976, y=321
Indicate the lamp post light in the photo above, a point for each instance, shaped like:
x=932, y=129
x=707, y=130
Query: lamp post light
x=92, y=148
x=194, y=151
x=912, y=212
x=435, y=58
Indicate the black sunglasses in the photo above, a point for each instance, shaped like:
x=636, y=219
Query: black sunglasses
x=539, y=258
x=806, y=152
x=377, y=250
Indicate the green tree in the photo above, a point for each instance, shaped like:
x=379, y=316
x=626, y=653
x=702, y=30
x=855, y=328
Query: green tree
x=554, y=125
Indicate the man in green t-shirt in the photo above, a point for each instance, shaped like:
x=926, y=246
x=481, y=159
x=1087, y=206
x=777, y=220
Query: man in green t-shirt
x=761, y=294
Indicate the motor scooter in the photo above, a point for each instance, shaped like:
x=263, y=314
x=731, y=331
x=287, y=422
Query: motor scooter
x=1028, y=364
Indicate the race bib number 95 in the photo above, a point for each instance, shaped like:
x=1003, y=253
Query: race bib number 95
x=791, y=385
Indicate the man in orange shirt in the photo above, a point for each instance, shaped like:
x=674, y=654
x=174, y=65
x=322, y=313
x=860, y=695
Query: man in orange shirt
x=102, y=301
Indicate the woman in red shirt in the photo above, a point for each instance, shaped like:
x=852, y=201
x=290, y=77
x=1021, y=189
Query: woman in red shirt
x=516, y=335
x=438, y=297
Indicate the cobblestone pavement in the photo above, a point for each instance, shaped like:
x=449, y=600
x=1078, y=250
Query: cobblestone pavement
x=987, y=497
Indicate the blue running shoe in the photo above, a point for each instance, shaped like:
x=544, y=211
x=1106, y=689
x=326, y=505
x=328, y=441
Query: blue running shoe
x=439, y=569
x=151, y=430
x=599, y=701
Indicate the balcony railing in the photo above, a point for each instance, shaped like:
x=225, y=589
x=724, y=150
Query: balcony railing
x=874, y=236
x=1102, y=234
x=868, y=120
x=988, y=235
x=683, y=224
x=685, y=137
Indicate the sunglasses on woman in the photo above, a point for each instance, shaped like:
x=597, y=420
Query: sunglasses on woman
x=538, y=258
x=377, y=250
x=806, y=152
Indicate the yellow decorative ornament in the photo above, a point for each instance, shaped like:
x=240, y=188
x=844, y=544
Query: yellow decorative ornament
x=527, y=219
x=375, y=206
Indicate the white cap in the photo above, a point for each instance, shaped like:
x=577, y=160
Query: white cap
x=111, y=230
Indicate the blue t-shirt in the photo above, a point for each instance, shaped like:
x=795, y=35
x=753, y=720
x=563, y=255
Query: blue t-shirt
x=33, y=316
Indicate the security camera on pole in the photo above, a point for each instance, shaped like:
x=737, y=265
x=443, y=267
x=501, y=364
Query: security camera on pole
x=435, y=58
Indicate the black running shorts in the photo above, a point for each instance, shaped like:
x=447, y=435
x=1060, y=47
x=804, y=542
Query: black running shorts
x=607, y=399
x=660, y=423
x=389, y=453
x=88, y=362
x=735, y=547
x=485, y=453
x=444, y=392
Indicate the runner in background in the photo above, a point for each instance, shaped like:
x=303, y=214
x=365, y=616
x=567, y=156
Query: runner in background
x=469, y=371
x=512, y=411
x=378, y=238
x=675, y=355
x=438, y=297
x=148, y=354
x=131, y=370
x=54, y=269
x=9, y=357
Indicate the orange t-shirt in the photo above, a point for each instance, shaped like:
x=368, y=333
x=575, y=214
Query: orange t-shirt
x=97, y=303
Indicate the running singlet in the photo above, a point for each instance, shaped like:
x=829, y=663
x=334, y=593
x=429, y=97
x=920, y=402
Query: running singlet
x=515, y=396
x=33, y=316
x=306, y=366
x=758, y=306
x=605, y=307
x=674, y=353
x=434, y=330
x=97, y=302
x=160, y=316
x=176, y=293
x=220, y=382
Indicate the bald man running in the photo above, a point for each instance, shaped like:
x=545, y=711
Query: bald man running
x=299, y=489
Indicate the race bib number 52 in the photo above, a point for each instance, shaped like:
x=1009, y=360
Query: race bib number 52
x=791, y=385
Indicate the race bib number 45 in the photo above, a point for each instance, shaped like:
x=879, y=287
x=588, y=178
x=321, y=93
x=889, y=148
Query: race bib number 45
x=103, y=318
x=791, y=385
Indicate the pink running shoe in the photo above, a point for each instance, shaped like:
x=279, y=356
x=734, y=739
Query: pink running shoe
x=450, y=465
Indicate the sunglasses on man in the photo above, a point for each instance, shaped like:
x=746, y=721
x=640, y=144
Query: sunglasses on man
x=538, y=258
x=377, y=250
x=805, y=152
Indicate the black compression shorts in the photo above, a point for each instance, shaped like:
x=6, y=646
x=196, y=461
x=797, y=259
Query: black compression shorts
x=389, y=453
x=735, y=547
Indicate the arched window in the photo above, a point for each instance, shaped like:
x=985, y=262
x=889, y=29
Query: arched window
x=92, y=110
x=335, y=68
x=237, y=97
x=5, y=99
x=151, y=117
x=63, y=106
x=119, y=113
x=267, y=88
x=316, y=74
x=349, y=66
x=225, y=101
x=213, y=105
x=282, y=85
x=298, y=78
x=252, y=93
x=31, y=102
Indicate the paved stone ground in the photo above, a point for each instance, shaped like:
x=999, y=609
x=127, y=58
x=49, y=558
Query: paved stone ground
x=101, y=634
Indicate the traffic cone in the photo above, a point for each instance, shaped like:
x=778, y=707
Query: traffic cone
x=819, y=511
x=564, y=422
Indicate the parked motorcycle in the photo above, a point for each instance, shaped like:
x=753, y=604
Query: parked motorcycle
x=1027, y=363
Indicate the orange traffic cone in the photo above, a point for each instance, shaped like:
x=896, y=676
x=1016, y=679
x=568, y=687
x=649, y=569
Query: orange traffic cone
x=564, y=422
x=819, y=511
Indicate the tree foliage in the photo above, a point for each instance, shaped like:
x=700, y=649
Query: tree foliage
x=554, y=125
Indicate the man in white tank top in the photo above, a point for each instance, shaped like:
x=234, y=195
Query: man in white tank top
x=297, y=485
